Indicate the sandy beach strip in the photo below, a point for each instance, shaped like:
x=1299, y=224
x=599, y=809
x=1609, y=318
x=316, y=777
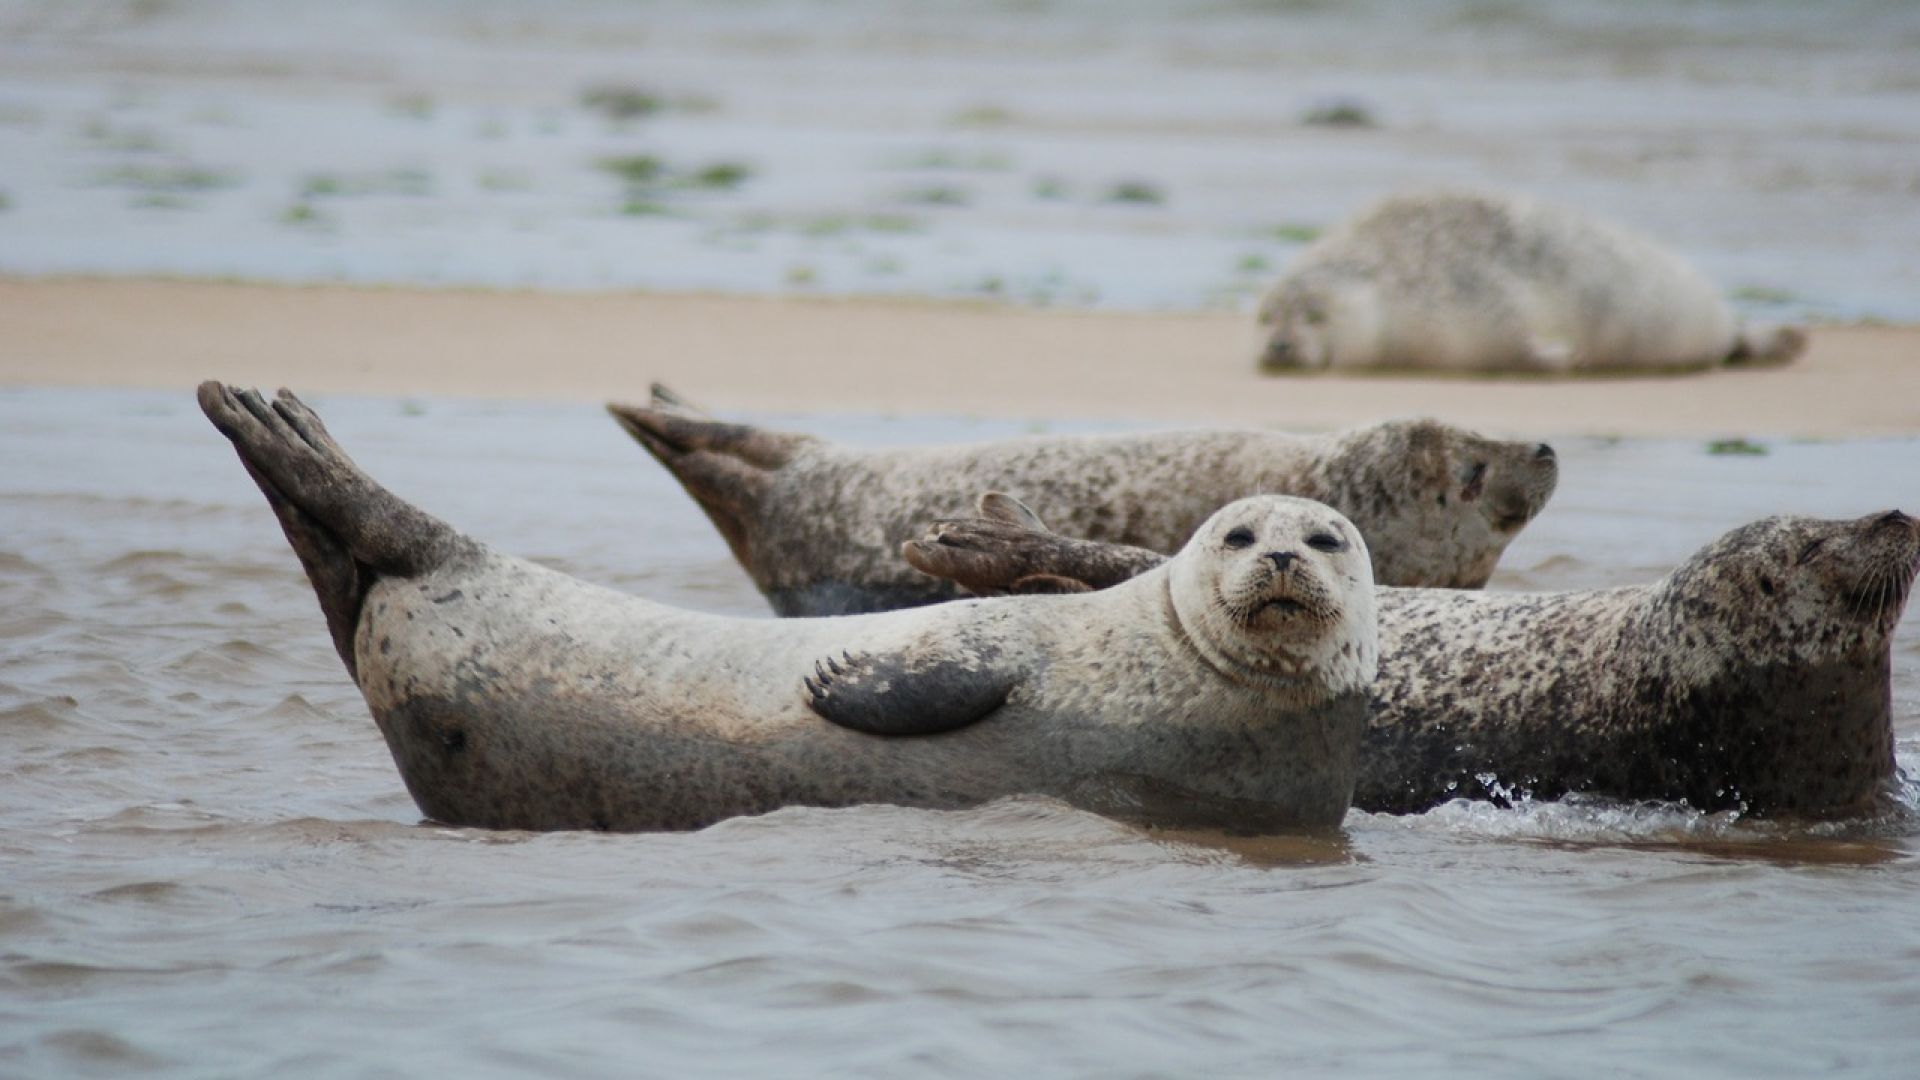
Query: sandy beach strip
x=873, y=356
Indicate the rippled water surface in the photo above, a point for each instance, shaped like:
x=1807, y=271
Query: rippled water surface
x=208, y=863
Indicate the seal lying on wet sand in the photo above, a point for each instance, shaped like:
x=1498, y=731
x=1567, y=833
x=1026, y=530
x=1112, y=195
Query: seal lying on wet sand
x=1462, y=281
x=1754, y=676
x=819, y=526
x=1228, y=689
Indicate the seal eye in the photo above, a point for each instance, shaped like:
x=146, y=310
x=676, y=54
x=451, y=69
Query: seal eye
x=1240, y=537
x=1807, y=552
x=1476, y=477
x=1326, y=542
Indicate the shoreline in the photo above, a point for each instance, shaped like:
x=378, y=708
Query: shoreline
x=890, y=356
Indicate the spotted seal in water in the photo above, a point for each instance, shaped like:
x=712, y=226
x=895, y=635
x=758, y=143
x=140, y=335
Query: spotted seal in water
x=1227, y=689
x=1477, y=282
x=1756, y=676
x=819, y=526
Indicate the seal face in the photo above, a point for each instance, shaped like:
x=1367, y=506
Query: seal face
x=819, y=527
x=1479, y=282
x=1228, y=689
x=1754, y=677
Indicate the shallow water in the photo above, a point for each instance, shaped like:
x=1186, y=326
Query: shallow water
x=1075, y=153
x=208, y=863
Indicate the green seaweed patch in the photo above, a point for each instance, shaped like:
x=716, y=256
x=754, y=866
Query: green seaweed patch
x=982, y=116
x=6, y=202
x=135, y=140
x=635, y=168
x=1293, y=232
x=1136, y=193
x=825, y=225
x=650, y=176
x=943, y=159
x=720, y=176
x=800, y=275
x=414, y=105
x=638, y=206
x=1763, y=294
x=1350, y=114
x=621, y=102
x=409, y=182
x=169, y=178
x=304, y=215
x=1049, y=188
x=1251, y=263
x=160, y=200
x=504, y=180
x=1736, y=448
x=936, y=195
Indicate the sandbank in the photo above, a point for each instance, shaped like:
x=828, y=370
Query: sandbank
x=798, y=354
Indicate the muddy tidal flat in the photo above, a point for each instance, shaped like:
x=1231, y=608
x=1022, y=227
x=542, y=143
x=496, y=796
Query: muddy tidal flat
x=208, y=863
x=1156, y=156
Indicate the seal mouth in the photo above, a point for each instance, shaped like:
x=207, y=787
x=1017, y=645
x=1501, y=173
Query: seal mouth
x=1285, y=605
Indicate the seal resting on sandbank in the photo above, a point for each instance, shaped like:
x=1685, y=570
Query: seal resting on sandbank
x=819, y=526
x=1225, y=690
x=1756, y=676
x=1465, y=281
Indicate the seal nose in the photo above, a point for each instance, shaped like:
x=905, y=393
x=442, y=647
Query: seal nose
x=1543, y=452
x=1282, y=559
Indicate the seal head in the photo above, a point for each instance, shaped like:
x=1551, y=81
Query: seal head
x=1278, y=592
x=1446, y=511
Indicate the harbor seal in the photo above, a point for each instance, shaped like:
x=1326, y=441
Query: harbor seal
x=818, y=526
x=1225, y=690
x=1461, y=281
x=1756, y=676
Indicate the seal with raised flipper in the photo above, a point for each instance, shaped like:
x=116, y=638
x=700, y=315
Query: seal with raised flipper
x=1756, y=676
x=1227, y=689
x=1473, y=281
x=819, y=526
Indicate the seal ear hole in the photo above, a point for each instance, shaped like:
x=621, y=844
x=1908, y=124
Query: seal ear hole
x=1240, y=536
x=1766, y=586
x=1326, y=542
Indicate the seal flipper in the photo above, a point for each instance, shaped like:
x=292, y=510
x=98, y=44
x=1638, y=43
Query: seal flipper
x=1008, y=550
x=905, y=694
x=662, y=397
x=347, y=530
x=727, y=468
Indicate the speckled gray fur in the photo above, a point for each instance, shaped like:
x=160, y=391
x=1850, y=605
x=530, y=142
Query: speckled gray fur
x=1480, y=282
x=819, y=526
x=513, y=696
x=1754, y=676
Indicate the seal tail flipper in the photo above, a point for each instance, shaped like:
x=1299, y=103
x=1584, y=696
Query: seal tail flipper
x=727, y=468
x=662, y=397
x=1767, y=345
x=347, y=530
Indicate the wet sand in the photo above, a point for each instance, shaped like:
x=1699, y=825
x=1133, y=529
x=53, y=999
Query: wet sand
x=780, y=355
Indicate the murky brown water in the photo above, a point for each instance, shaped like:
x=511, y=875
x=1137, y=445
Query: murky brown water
x=208, y=864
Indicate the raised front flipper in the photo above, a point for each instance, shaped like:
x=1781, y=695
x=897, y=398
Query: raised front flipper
x=1007, y=550
x=922, y=690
